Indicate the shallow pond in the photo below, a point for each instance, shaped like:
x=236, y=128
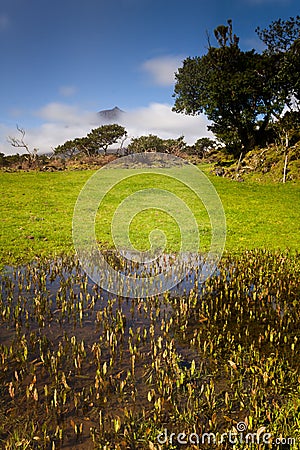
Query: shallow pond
x=82, y=368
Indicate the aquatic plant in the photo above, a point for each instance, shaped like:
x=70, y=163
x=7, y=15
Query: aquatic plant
x=81, y=367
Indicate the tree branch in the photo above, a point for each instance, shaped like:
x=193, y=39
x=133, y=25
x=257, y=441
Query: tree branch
x=19, y=143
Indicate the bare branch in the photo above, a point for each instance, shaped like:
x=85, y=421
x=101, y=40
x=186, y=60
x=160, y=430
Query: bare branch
x=208, y=39
x=19, y=143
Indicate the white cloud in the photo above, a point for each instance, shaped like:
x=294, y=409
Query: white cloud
x=159, y=119
x=4, y=21
x=4, y=146
x=66, y=114
x=63, y=122
x=67, y=91
x=162, y=69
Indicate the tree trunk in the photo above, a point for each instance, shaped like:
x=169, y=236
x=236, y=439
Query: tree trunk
x=238, y=166
x=285, y=167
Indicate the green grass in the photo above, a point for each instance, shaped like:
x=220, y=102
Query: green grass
x=37, y=210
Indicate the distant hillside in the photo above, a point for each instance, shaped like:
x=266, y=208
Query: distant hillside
x=111, y=115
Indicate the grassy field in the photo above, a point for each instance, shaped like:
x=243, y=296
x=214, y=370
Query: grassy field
x=37, y=210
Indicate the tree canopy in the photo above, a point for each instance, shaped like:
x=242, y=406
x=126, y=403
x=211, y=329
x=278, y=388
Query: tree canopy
x=153, y=143
x=98, y=139
x=104, y=136
x=282, y=38
x=202, y=146
x=241, y=92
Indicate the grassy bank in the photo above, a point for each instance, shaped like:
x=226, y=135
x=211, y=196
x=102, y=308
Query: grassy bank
x=37, y=210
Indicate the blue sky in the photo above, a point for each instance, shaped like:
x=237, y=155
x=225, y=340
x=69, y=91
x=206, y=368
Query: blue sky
x=61, y=61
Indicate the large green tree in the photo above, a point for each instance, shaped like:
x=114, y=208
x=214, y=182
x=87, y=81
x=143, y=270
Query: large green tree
x=239, y=91
x=74, y=147
x=98, y=139
x=102, y=137
x=282, y=38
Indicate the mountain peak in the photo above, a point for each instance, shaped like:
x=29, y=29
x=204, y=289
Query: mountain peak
x=111, y=114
